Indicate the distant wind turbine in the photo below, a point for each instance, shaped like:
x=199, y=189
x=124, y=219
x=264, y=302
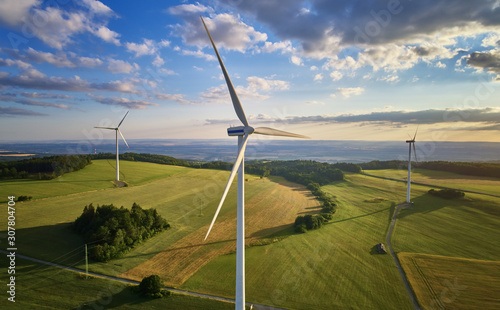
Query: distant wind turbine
x=243, y=133
x=411, y=142
x=117, y=131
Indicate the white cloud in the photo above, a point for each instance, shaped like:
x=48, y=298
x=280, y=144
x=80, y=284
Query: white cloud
x=89, y=62
x=318, y=77
x=120, y=66
x=97, y=7
x=440, y=65
x=107, y=35
x=198, y=54
x=31, y=102
x=227, y=30
x=158, y=62
x=14, y=12
x=124, y=102
x=167, y=71
x=296, y=60
x=18, y=63
x=315, y=102
x=493, y=39
x=391, y=78
x=282, y=46
x=313, y=68
x=34, y=79
x=255, y=85
x=175, y=97
x=336, y=75
x=348, y=92
x=148, y=47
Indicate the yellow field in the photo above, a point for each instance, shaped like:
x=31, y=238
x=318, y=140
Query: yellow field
x=441, y=282
x=273, y=209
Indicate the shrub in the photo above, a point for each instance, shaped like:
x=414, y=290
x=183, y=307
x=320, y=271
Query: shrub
x=24, y=198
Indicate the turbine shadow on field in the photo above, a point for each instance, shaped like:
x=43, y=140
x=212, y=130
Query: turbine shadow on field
x=359, y=216
x=55, y=243
x=267, y=232
x=105, y=300
x=423, y=204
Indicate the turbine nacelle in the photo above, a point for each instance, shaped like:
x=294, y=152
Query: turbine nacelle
x=240, y=131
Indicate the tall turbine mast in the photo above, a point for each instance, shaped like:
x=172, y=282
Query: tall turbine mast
x=243, y=133
x=411, y=143
x=117, y=131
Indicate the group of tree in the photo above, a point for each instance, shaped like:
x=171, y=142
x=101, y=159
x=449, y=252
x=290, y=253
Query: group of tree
x=447, y=193
x=465, y=168
x=302, y=171
x=113, y=231
x=329, y=207
x=43, y=168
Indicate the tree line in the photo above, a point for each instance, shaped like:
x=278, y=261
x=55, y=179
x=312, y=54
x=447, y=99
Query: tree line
x=329, y=207
x=43, y=168
x=114, y=231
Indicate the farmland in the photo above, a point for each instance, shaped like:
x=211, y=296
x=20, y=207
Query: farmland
x=332, y=267
x=437, y=283
x=443, y=178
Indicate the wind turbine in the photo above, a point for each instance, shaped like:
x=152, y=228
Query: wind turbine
x=411, y=142
x=243, y=133
x=117, y=131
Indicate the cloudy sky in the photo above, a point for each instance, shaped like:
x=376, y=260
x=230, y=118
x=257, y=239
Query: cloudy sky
x=333, y=70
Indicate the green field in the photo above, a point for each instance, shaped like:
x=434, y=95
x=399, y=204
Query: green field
x=443, y=178
x=330, y=268
x=44, y=287
x=334, y=267
x=99, y=175
x=453, y=283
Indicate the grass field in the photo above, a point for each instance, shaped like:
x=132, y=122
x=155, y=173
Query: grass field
x=442, y=282
x=443, y=178
x=273, y=209
x=467, y=228
x=98, y=175
x=331, y=268
x=44, y=287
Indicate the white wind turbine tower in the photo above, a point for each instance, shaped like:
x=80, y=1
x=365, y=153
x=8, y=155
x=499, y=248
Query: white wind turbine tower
x=117, y=131
x=411, y=142
x=243, y=133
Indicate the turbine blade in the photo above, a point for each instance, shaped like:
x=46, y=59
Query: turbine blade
x=122, y=137
x=234, y=97
x=106, y=128
x=122, y=119
x=415, y=134
x=415, y=152
x=275, y=132
x=237, y=164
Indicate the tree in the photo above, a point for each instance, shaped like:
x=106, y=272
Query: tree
x=151, y=286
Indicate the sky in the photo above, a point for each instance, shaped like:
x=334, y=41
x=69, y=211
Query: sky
x=332, y=70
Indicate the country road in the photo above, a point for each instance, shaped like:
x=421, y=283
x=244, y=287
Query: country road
x=396, y=260
x=123, y=280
